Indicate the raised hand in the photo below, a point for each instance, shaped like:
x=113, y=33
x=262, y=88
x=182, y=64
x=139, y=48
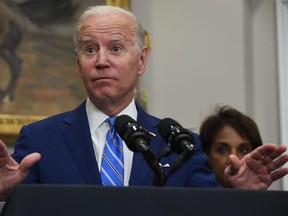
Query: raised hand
x=12, y=173
x=258, y=169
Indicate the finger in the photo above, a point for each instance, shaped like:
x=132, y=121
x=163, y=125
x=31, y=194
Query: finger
x=273, y=155
x=279, y=174
x=3, y=149
x=4, y=154
x=260, y=152
x=234, y=166
x=277, y=163
x=29, y=161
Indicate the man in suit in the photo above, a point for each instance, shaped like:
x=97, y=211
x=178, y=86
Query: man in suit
x=67, y=148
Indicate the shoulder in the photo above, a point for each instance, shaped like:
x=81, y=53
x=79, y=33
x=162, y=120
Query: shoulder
x=61, y=118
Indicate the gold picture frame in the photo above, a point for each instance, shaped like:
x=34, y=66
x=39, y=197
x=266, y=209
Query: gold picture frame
x=119, y=3
x=10, y=124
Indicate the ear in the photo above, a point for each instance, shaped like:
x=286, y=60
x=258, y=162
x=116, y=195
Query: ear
x=143, y=60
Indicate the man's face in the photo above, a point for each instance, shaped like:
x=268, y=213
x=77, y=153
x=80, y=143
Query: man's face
x=109, y=61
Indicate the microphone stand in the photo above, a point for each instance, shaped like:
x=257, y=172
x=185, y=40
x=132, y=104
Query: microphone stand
x=153, y=162
x=178, y=163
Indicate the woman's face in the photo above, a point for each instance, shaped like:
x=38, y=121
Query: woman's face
x=227, y=141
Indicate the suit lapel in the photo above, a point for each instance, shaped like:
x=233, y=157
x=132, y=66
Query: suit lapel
x=76, y=134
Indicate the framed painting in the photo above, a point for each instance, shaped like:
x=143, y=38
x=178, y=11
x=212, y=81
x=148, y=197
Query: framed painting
x=37, y=62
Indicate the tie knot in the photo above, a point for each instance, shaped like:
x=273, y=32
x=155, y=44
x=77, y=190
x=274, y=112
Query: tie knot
x=111, y=120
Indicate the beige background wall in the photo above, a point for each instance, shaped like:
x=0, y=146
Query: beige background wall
x=209, y=52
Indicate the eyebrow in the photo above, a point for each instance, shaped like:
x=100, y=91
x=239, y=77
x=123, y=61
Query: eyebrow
x=120, y=39
x=246, y=144
x=88, y=41
x=85, y=39
x=227, y=143
x=221, y=143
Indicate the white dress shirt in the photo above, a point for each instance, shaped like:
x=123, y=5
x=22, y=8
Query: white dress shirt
x=98, y=130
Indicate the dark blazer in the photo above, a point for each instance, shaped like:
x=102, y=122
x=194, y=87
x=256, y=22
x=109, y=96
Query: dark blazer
x=67, y=154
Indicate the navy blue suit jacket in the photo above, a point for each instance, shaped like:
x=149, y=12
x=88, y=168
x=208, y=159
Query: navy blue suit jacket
x=67, y=154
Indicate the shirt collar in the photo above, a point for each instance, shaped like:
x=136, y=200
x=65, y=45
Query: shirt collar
x=96, y=117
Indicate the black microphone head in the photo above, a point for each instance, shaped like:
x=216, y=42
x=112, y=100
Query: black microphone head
x=174, y=134
x=121, y=122
x=166, y=126
x=136, y=137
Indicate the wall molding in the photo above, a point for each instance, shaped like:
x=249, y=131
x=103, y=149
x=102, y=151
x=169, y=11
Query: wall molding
x=282, y=44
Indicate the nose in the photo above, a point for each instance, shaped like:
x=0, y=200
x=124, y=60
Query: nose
x=234, y=152
x=240, y=156
x=102, y=59
x=227, y=161
x=237, y=153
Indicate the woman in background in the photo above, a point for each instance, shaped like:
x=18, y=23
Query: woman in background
x=227, y=132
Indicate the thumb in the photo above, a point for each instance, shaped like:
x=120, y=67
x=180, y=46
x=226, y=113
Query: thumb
x=29, y=161
x=234, y=166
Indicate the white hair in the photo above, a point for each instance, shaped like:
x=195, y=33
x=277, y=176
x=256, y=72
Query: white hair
x=105, y=9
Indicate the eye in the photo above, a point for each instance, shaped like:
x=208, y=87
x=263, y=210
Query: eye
x=116, y=49
x=245, y=149
x=90, y=50
x=224, y=150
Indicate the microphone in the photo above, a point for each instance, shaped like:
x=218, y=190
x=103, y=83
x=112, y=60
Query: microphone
x=179, y=138
x=137, y=139
x=180, y=141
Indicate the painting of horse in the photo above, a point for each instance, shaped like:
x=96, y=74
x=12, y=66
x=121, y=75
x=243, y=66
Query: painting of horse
x=37, y=66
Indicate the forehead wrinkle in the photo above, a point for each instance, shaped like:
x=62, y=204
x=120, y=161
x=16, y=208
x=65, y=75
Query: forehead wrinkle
x=128, y=32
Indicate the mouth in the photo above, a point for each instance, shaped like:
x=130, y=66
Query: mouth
x=103, y=79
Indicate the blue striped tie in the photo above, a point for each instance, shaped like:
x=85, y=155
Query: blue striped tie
x=112, y=168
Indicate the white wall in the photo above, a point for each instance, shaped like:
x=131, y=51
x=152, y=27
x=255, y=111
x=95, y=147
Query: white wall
x=209, y=52
x=190, y=71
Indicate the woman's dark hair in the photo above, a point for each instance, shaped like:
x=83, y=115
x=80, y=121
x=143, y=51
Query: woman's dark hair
x=226, y=115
